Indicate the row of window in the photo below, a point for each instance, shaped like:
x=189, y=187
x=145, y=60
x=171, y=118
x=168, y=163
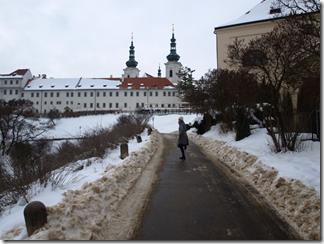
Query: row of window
x=104, y=94
x=11, y=82
x=104, y=104
x=10, y=92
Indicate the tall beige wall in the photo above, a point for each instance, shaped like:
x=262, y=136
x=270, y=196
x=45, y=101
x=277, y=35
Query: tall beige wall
x=226, y=36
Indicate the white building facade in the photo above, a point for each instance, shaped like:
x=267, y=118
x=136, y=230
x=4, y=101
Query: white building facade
x=127, y=93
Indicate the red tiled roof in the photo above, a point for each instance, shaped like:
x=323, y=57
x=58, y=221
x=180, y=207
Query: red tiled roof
x=17, y=72
x=146, y=82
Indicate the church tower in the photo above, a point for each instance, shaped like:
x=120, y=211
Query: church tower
x=172, y=67
x=131, y=71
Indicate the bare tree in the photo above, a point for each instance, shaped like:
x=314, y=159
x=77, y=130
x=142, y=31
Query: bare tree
x=17, y=124
x=283, y=60
x=230, y=94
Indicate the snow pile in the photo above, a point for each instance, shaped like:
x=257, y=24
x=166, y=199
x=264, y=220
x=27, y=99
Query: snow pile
x=86, y=213
x=298, y=203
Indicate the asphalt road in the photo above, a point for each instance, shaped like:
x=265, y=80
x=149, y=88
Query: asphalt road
x=200, y=198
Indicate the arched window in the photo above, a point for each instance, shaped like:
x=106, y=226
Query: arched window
x=171, y=73
x=254, y=58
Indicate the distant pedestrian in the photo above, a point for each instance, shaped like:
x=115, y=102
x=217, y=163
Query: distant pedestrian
x=183, y=138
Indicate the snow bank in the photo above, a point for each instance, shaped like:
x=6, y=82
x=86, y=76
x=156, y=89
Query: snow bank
x=298, y=203
x=86, y=213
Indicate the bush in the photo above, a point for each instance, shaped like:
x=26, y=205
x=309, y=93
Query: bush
x=242, y=125
x=204, y=125
x=31, y=163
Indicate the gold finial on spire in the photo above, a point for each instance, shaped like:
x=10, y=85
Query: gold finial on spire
x=132, y=36
x=172, y=28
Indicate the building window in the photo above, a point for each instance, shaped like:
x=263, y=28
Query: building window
x=17, y=82
x=11, y=82
x=45, y=102
x=254, y=58
x=117, y=94
x=110, y=105
x=137, y=94
x=307, y=29
x=275, y=11
x=144, y=94
x=32, y=94
x=72, y=94
x=67, y=102
x=67, y=94
x=137, y=105
x=98, y=105
x=169, y=94
x=58, y=102
x=71, y=102
x=131, y=94
x=164, y=94
x=162, y=105
x=91, y=105
x=37, y=94
x=5, y=92
x=79, y=94
x=45, y=94
x=151, y=94
x=85, y=105
x=171, y=73
x=110, y=94
x=57, y=94
x=85, y=94
x=173, y=94
x=16, y=92
x=125, y=94
x=51, y=102
x=98, y=94
x=104, y=94
x=91, y=94
x=116, y=105
x=142, y=105
x=169, y=105
x=52, y=94
x=125, y=105
x=156, y=94
x=22, y=94
x=104, y=105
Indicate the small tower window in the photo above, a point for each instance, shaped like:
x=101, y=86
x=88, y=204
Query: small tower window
x=275, y=11
x=171, y=73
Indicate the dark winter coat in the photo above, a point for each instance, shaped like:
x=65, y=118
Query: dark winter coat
x=183, y=138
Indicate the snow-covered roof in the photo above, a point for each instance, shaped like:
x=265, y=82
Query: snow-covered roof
x=72, y=83
x=260, y=12
x=19, y=73
x=54, y=84
x=89, y=83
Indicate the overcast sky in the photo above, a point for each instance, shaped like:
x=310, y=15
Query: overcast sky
x=91, y=39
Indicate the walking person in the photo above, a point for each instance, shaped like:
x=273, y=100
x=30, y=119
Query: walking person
x=183, y=138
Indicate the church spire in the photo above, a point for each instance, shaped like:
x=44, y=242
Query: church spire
x=131, y=63
x=173, y=56
x=159, y=71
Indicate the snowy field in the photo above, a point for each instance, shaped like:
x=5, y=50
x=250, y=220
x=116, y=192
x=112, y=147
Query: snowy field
x=303, y=166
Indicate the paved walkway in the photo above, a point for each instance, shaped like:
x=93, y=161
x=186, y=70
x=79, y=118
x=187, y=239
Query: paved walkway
x=200, y=199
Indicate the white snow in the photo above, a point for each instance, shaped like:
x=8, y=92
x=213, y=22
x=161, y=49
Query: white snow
x=72, y=83
x=270, y=173
x=260, y=12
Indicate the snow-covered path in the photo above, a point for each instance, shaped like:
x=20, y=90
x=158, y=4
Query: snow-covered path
x=303, y=167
